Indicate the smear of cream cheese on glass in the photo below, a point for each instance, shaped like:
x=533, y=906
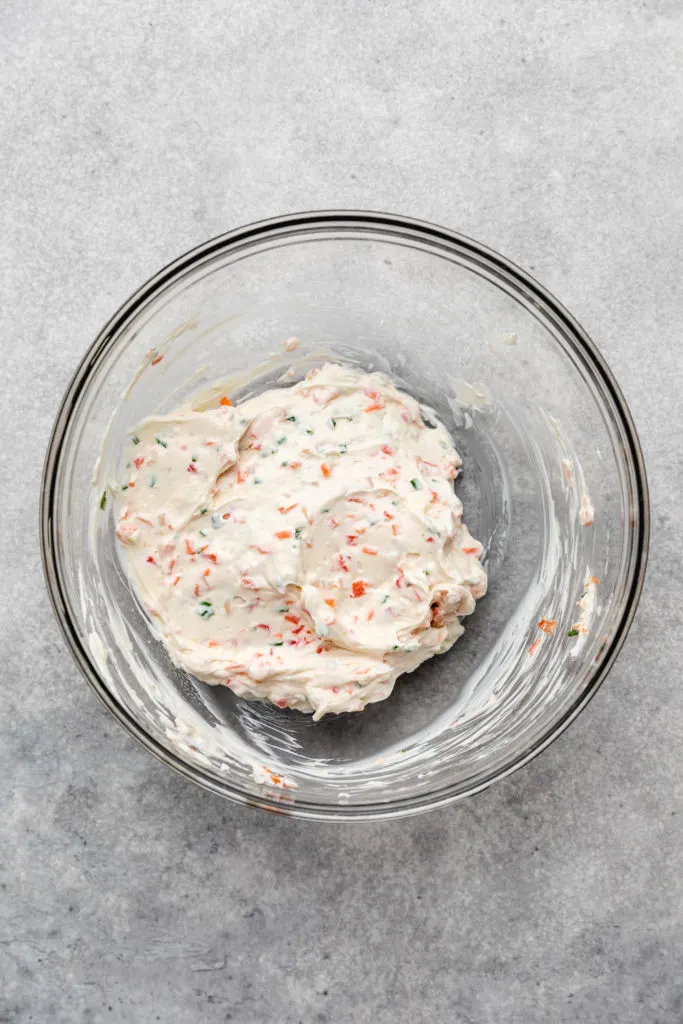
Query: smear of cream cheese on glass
x=305, y=547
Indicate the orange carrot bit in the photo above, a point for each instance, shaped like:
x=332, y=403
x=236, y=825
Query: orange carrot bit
x=157, y=360
x=212, y=558
x=283, y=534
x=325, y=469
x=388, y=515
x=395, y=530
x=225, y=400
x=212, y=643
x=371, y=615
x=547, y=625
x=188, y=547
x=139, y=461
x=386, y=449
x=593, y=580
x=295, y=465
x=358, y=588
x=369, y=551
x=207, y=572
x=176, y=581
x=196, y=590
x=296, y=619
x=284, y=511
x=534, y=646
x=330, y=601
x=373, y=407
x=469, y=551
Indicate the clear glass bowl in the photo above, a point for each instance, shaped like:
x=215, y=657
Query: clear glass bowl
x=543, y=431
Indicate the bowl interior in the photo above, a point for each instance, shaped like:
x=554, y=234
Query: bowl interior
x=543, y=436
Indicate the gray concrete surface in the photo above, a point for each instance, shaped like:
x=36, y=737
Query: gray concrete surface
x=134, y=129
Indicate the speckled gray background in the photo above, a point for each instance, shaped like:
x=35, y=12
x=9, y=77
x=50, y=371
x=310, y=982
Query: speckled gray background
x=134, y=129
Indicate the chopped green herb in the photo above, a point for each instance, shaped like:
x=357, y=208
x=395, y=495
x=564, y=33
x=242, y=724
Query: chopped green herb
x=395, y=647
x=194, y=458
x=163, y=444
x=573, y=632
x=135, y=439
x=333, y=422
x=278, y=643
x=298, y=531
x=207, y=603
x=309, y=430
x=152, y=480
x=343, y=448
x=284, y=463
x=416, y=485
x=203, y=511
x=203, y=533
x=324, y=511
x=385, y=599
x=291, y=419
x=205, y=610
x=124, y=487
x=258, y=480
x=103, y=500
x=283, y=610
x=281, y=440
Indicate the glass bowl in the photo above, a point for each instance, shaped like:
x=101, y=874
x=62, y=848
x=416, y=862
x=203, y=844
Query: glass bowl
x=553, y=484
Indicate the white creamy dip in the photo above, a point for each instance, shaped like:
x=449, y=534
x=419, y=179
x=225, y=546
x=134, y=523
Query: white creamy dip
x=305, y=547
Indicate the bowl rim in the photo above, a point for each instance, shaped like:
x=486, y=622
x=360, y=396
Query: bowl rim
x=316, y=221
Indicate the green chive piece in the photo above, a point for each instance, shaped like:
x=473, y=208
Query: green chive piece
x=416, y=485
x=203, y=511
x=103, y=500
x=278, y=643
x=202, y=533
x=163, y=444
x=135, y=439
x=298, y=531
x=333, y=422
x=308, y=430
x=385, y=599
x=258, y=480
x=281, y=440
x=283, y=610
x=124, y=487
x=291, y=419
x=573, y=632
x=152, y=480
x=194, y=458
x=284, y=463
